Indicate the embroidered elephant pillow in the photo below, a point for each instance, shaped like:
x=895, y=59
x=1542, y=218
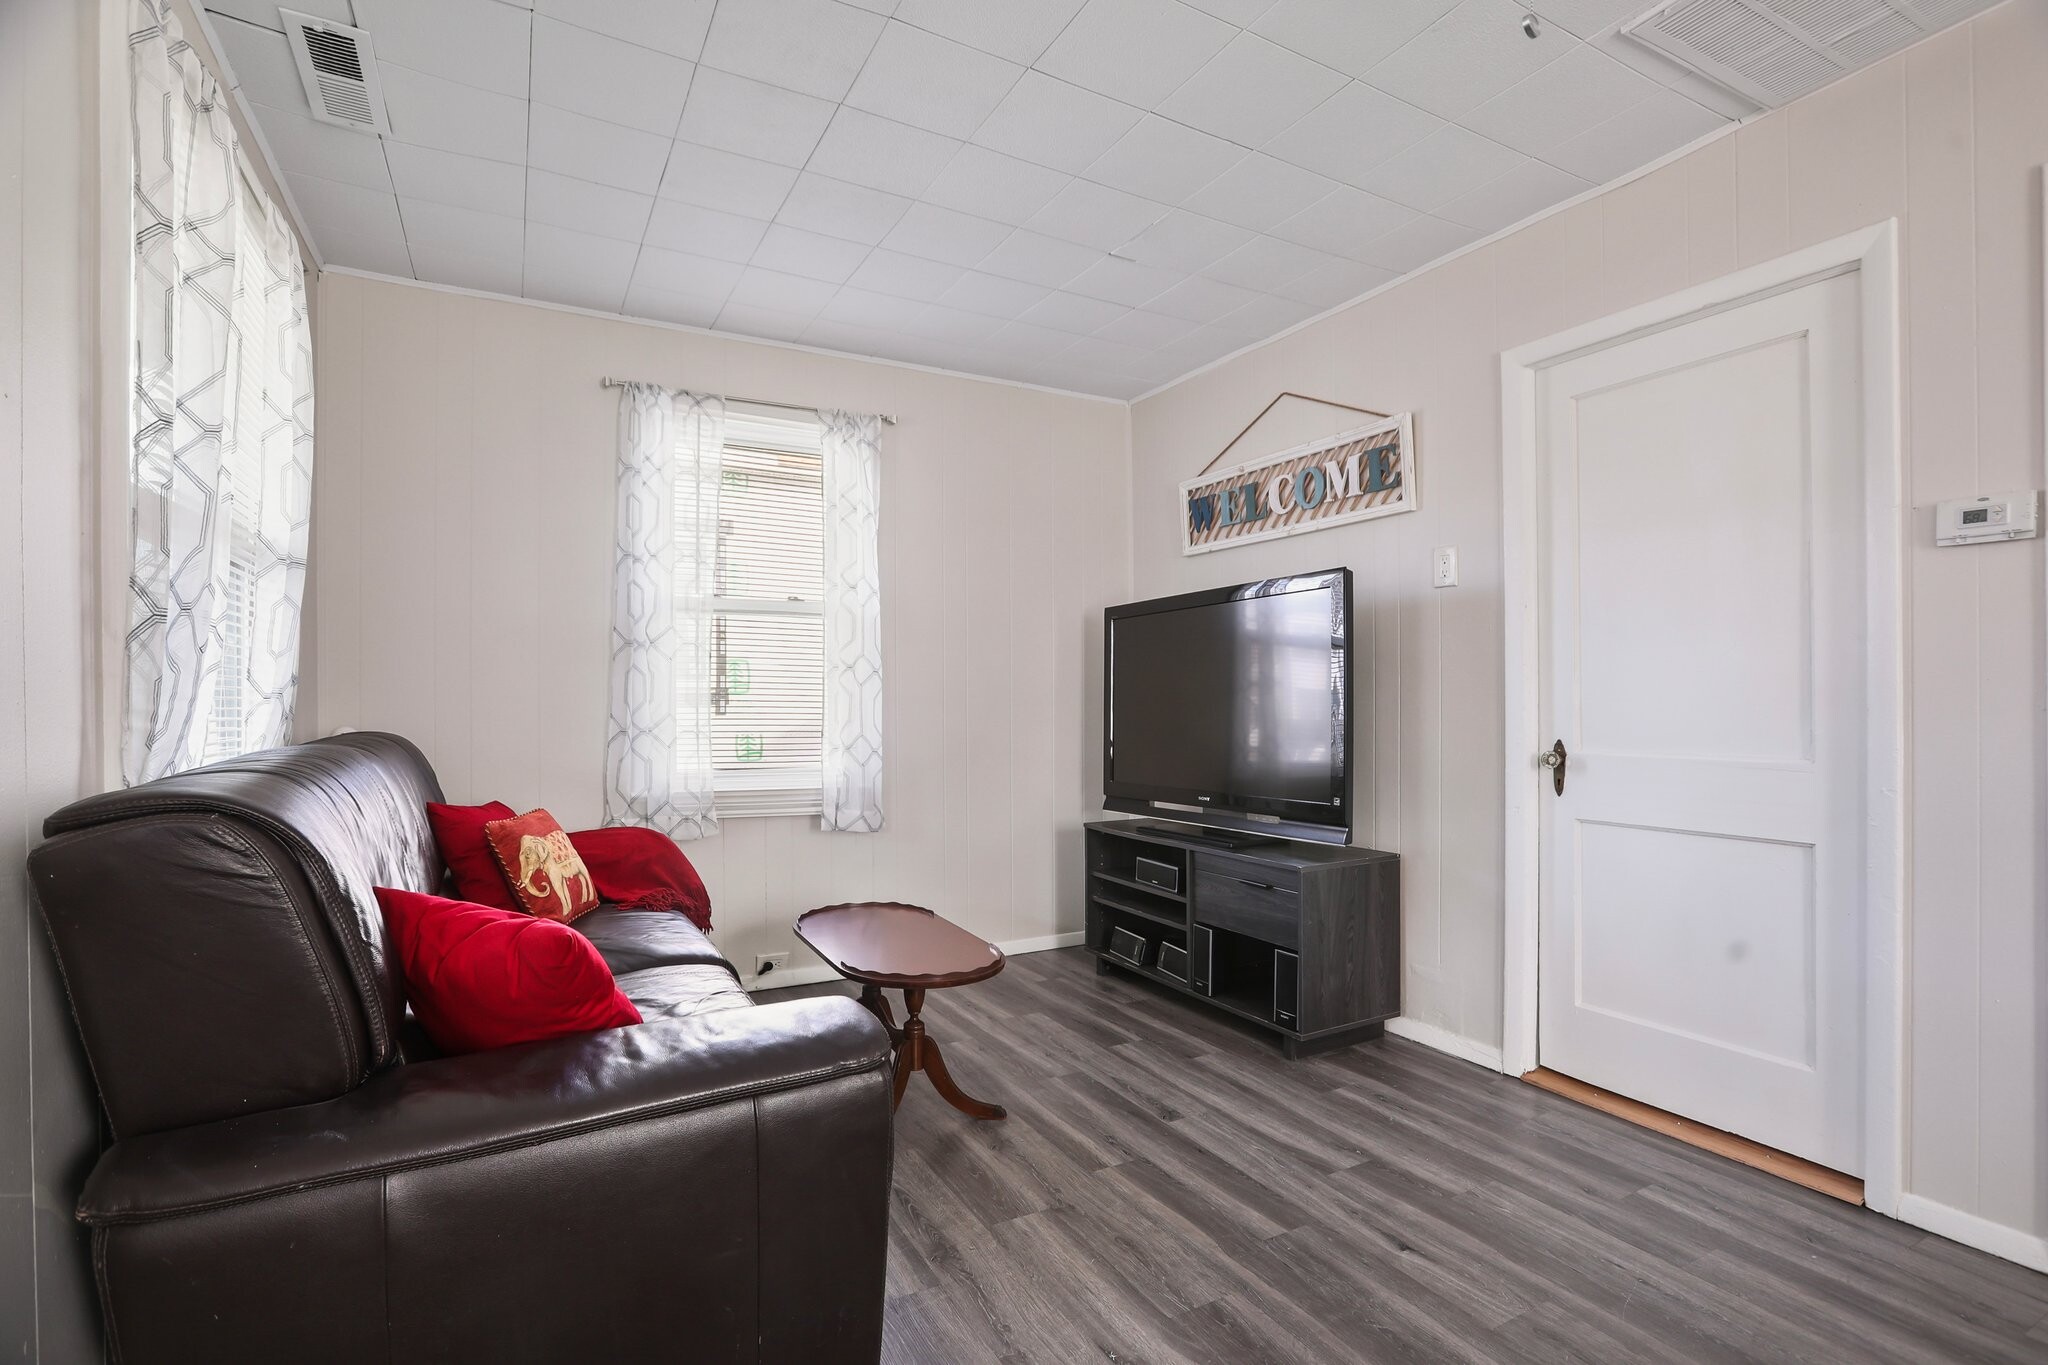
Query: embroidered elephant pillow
x=541, y=866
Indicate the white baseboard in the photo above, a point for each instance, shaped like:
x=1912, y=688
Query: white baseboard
x=1443, y=1040
x=1972, y=1230
x=812, y=973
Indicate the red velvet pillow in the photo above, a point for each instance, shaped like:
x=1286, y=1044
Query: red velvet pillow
x=479, y=978
x=459, y=830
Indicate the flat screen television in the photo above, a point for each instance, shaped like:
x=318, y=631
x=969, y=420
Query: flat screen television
x=1232, y=707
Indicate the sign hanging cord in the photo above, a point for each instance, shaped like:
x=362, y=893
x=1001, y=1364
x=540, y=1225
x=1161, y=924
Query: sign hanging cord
x=1306, y=398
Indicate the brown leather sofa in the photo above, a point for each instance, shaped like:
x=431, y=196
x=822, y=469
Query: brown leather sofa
x=296, y=1177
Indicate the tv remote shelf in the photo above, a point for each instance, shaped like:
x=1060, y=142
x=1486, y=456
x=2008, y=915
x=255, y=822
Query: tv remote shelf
x=1302, y=939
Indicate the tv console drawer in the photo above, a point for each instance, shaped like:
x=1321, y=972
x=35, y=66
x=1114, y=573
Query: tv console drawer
x=1247, y=900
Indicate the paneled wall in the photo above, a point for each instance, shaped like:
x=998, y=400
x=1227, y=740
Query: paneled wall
x=1948, y=138
x=48, y=725
x=462, y=541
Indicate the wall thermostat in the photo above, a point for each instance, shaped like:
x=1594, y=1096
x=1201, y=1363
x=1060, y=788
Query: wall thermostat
x=1997, y=516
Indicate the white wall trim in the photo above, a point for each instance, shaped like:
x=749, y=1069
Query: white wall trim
x=1874, y=255
x=722, y=336
x=1443, y=1040
x=812, y=973
x=1971, y=1230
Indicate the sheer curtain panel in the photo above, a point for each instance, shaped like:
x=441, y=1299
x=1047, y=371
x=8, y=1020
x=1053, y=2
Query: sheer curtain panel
x=853, y=622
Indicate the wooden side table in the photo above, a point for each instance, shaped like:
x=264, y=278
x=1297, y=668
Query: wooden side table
x=886, y=944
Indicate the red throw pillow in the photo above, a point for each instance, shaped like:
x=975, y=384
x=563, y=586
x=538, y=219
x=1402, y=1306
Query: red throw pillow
x=542, y=866
x=459, y=830
x=479, y=978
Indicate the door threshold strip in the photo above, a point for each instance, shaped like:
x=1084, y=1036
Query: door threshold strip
x=1798, y=1170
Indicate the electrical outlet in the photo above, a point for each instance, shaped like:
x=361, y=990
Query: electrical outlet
x=769, y=963
x=1446, y=566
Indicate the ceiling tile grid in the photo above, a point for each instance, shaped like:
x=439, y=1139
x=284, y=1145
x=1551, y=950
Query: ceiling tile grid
x=1090, y=194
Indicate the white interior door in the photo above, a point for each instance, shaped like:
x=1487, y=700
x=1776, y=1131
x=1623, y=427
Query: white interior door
x=1702, y=662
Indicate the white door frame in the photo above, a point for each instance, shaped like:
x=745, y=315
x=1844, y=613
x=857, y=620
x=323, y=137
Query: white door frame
x=1873, y=255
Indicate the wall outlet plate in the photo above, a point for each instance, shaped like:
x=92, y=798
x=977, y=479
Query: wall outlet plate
x=1445, y=566
x=767, y=964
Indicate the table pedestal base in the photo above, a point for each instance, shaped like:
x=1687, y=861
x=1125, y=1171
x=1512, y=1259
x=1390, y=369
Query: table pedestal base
x=917, y=1050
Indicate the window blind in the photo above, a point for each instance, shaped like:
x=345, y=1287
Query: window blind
x=768, y=648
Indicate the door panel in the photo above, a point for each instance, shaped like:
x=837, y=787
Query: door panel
x=1702, y=661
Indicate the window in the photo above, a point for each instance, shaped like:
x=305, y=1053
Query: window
x=768, y=645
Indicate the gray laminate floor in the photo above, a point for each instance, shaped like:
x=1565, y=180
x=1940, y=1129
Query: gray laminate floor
x=1167, y=1188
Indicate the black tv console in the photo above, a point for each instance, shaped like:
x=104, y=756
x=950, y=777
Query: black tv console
x=1303, y=939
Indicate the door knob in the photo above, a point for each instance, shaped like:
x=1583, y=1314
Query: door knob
x=1555, y=759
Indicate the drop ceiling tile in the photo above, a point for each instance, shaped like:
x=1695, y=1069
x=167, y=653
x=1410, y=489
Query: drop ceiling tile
x=1074, y=313
x=1444, y=165
x=1338, y=282
x=713, y=179
x=1126, y=282
x=1135, y=50
x=931, y=82
x=469, y=182
x=773, y=324
x=262, y=63
x=991, y=185
x=906, y=277
x=838, y=209
x=331, y=206
x=1022, y=341
x=477, y=42
x=1055, y=124
x=1662, y=123
x=864, y=308
x=1574, y=94
x=1142, y=328
x=881, y=154
x=681, y=272
x=451, y=117
x=1587, y=17
x=590, y=149
x=784, y=293
x=1353, y=131
x=766, y=122
x=576, y=268
x=1467, y=57
x=491, y=274
x=562, y=201
x=606, y=78
x=992, y=295
x=814, y=46
x=1251, y=90
x=1259, y=192
x=1267, y=316
x=676, y=27
x=382, y=254
x=1039, y=259
x=1669, y=74
x=1527, y=189
x=1266, y=263
x=848, y=337
x=1199, y=300
x=691, y=310
x=264, y=12
x=1096, y=354
x=1343, y=222
x=1416, y=243
x=1163, y=160
x=704, y=232
x=939, y=323
x=1184, y=241
x=443, y=227
x=939, y=234
x=1095, y=215
x=1017, y=29
x=1346, y=34
x=314, y=148
x=813, y=255
x=1238, y=12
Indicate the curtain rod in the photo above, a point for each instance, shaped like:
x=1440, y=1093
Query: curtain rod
x=887, y=417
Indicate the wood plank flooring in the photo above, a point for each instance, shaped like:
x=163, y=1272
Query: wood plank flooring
x=1168, y=1189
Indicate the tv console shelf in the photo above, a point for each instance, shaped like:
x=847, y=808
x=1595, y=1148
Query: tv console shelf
x=1302, y=939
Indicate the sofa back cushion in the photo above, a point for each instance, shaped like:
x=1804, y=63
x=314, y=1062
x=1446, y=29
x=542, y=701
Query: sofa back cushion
x=219, y=933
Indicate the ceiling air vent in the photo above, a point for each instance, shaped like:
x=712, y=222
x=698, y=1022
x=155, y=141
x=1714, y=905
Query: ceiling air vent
x=339, y=71
x=1774, y=51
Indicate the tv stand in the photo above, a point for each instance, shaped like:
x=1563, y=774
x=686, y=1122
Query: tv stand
x=1206, y=838
x=1301, y=939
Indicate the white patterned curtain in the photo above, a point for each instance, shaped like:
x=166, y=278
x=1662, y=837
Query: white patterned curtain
x=222, y=447
x=853, y=622
x=658, y=748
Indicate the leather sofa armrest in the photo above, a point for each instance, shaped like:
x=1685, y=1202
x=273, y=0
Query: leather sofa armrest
x=427, y=1113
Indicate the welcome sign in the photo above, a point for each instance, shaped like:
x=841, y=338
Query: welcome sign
x=1353, y=476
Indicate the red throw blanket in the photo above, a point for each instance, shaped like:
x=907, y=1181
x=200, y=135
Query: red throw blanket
x=644, y=869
